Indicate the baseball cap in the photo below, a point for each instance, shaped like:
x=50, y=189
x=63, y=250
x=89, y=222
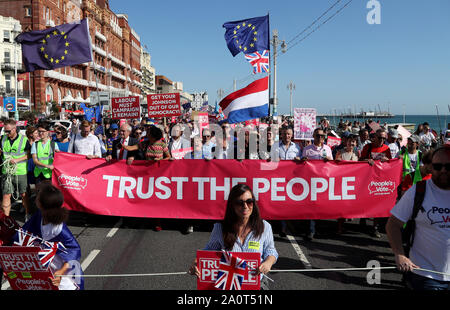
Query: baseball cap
x=114, y=127
x=414, y=138
x=393, y=133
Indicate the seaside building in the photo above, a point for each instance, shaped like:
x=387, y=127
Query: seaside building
x=116, y=67
x=8, y=62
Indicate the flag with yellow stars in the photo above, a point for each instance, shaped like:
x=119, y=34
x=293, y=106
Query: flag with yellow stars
x=248, y=36
x=60, y=46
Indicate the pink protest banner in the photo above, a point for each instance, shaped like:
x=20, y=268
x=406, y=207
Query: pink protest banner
x=208, y=263
x=22, y=267
x=284, y=190
x=333, y=141
x=179, y=154
x=125, y=108
x=405, y=135
x=164, y=105
x=304, y=123
x=253, y=123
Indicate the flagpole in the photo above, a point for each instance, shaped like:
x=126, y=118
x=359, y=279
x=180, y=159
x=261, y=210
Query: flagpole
x=270, y=55
x=96, y=78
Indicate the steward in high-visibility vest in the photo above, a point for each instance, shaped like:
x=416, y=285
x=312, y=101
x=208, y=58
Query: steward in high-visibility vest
x=414, y=172
x=45, y=155
x=15, y=151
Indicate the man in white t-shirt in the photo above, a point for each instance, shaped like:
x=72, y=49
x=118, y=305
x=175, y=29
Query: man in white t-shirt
x=431, y=247
x=427, y=137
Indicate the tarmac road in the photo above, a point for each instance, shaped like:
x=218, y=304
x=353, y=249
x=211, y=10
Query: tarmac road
x=111, y=246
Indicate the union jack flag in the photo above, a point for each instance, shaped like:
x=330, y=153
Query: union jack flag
x=231, y=272
x=25, y=239
x=47, y=254
x=259, y=61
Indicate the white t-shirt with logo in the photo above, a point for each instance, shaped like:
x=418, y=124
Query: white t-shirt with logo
x=431, y=247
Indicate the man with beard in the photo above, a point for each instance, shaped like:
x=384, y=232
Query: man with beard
x=430, y=247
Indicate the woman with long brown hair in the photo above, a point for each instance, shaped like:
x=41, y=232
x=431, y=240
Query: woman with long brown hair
x=243, y=230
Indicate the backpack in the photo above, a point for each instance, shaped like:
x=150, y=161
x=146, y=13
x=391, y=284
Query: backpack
x=410, y=226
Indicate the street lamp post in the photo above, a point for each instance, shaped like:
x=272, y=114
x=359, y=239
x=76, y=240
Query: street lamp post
x=16, y=31
x=291, y=88
x=275, y=42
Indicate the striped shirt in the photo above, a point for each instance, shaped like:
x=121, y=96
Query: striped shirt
x=265, y=244
x=156, y=150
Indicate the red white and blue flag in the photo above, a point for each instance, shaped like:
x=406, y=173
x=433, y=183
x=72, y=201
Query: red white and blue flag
x=47, y=254
x=25, y=239
x=259, y=61
x=247, y=103
x=231, y=272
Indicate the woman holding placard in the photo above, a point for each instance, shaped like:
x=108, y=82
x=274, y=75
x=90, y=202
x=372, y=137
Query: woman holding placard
x=243, y=230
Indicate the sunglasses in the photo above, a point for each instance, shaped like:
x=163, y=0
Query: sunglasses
x=58, y=132
x=439, y=166
x=242, y=203
x=7, y=131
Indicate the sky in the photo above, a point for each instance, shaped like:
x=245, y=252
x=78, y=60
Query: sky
x=401, y=65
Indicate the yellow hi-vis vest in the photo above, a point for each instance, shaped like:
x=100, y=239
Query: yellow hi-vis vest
x=16, y=150
x=46, y=156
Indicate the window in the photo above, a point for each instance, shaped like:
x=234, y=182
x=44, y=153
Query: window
x=7, y=57
x=8, y=83
x=27, y=11
x=6, y=36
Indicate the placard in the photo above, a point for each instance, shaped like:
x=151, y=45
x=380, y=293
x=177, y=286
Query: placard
x=164, y=105
x=179, y=154
x=22, y=267
x=333, y=141
x=208, y=263
x=304, y=123
x=126, y=108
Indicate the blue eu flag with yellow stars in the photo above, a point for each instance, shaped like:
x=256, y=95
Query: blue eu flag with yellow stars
x=248, y=35
x=60, y=46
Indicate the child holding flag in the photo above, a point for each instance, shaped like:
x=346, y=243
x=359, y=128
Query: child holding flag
x=48, y=223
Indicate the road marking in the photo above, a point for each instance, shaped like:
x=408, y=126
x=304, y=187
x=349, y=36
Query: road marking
x=6, y=286
x=113, y=230
x=299, y=251
x=88, y=260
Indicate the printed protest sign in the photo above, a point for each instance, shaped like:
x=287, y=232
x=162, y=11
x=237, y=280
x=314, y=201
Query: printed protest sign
x=179, y=154
x=23, y=269
x=333, y=141
x=208, y=263
x=164, y=105
x=304, y=123
x=126, y=108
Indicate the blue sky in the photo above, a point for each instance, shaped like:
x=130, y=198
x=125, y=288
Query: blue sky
x=346, y=64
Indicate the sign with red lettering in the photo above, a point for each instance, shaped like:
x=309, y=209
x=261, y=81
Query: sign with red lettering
x=333, y=141
x=208, y=264
x=22, y=267
x=164, y=105
x=285, y=190
x=180, y=153
x=126, y=108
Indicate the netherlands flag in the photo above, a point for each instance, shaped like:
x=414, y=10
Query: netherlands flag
x=247, y=103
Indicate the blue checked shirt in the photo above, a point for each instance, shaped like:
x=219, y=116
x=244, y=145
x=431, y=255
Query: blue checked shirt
x=264, y=244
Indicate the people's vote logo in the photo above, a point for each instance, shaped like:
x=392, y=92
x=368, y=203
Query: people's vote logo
x=381, y=188
x=72, y=182
x=438, y=215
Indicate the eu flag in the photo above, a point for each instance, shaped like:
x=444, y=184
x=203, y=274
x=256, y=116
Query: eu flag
x=248, y=35
x=60, y=46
